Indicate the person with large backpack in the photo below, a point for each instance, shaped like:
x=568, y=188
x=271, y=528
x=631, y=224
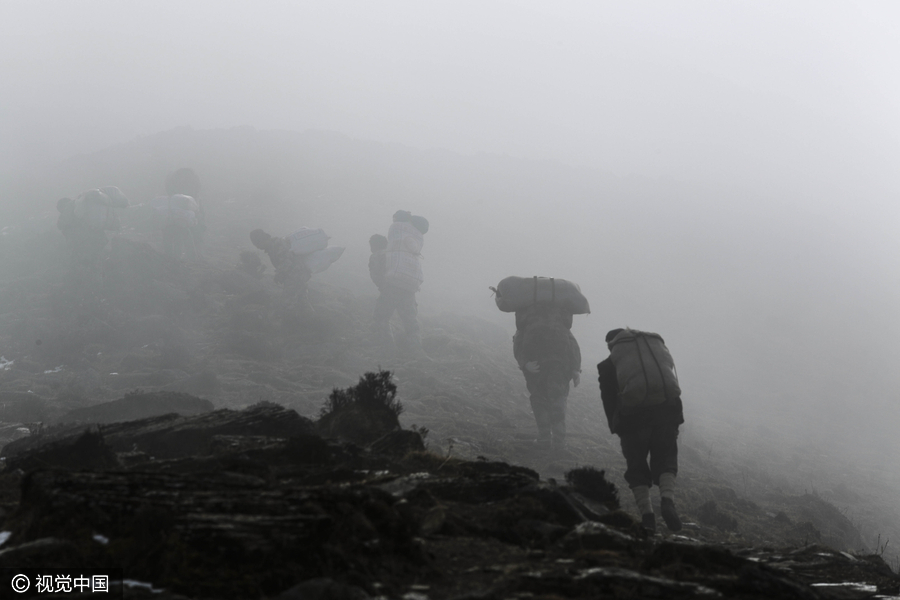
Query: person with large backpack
x=85, y=220
x=378, y=244
x=296, y=258
x=291, y=270
x=180, y=215
x=642, y=401
x=186, y=182
x=398, y=275
x=544, y=347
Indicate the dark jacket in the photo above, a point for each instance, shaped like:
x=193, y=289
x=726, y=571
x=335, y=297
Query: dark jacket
x=670, y=412
x=287, y=263
x=567, y=353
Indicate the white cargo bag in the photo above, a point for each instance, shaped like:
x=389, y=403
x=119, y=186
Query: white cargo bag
x=93, y=209
x=404, y=267
x=182, y=210
x=404, y=270
x=114, y=196
x=320, y=260
x=404, y=237
x=307, y=240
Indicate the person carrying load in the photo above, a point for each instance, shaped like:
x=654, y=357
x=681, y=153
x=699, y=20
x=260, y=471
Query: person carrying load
x=180, y=216
x=642, y=401
x=544, y=347
x=84, y=221
x=296, y=258
x=397, y=271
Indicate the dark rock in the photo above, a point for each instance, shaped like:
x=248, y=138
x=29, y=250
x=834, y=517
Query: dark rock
x=476, y=469
x=537, y=532
x=86, y=451
x=218, y=535
x=173, y=436
x=432, y=520
x=13, y=431
x=48, y=552
x=805, y=533
x=140, y=405
x=310, y=449
x=484, y=489
x=755, y=579
x=618, y=519
x=592, y=484
x=596, y=536
x=603, y=582
x=323, y=588
x=672, y=557
x=398, y=443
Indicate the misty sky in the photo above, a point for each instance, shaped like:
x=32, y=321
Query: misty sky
x=798, y=96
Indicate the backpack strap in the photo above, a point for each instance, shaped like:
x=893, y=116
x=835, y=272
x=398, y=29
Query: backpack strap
x=662, y=378
x=637, y=343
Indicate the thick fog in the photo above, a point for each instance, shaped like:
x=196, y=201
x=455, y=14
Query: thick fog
x=722, y=173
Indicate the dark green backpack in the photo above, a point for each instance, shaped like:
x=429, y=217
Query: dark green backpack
x=545, y=337
x=644, y=368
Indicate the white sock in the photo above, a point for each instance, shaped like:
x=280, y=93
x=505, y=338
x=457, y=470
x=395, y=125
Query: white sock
x=667, y=486
x=642, y=499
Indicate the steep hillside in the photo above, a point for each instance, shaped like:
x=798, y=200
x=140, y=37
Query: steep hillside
x=211, y=329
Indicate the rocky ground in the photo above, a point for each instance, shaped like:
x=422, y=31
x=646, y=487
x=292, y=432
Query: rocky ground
x=251, y=492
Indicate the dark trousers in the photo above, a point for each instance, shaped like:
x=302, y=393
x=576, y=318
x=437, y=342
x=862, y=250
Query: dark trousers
x=549, y=393
x=403, y=302
x=179, y=242
x=660, y=442
x=295, y=282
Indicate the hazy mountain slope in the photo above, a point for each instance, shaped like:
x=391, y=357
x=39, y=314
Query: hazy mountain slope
x=758, y=393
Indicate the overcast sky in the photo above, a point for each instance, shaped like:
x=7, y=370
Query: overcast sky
x=800, y=94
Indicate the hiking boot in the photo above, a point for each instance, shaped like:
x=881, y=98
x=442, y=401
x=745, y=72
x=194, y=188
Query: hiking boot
x=648, y=522
x=669, y=514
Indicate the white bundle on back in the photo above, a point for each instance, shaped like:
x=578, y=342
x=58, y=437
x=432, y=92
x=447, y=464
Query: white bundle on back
x=307, y=240
x=320, y=260
x=93, y=209
x=114, y=196
x=404, y=268
x=182, y=210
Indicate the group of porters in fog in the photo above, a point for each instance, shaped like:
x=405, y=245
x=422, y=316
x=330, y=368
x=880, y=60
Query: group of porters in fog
x=638, y=382
x=638, y=385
